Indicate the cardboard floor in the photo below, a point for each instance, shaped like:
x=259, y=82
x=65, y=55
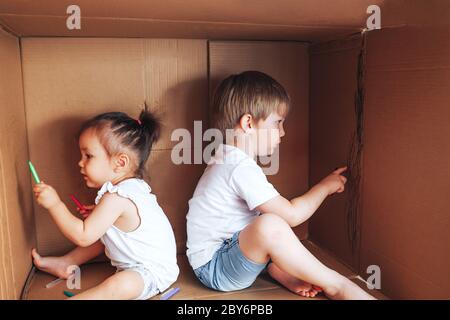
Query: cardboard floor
x=190, y=288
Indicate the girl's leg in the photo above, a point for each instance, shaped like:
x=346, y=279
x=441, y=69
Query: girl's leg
x=57, y=266
x=123, y=285
x=269, y=236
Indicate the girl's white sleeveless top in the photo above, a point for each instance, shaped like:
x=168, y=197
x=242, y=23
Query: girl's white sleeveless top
x=152, y=245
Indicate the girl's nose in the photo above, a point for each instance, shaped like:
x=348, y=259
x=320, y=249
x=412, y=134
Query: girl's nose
x=80, y=163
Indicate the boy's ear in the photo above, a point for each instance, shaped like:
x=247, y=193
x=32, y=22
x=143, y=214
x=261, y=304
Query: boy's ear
x=122, y=161
x=246, y=122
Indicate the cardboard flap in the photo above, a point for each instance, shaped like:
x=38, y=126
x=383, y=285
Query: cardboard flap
x=307, y=20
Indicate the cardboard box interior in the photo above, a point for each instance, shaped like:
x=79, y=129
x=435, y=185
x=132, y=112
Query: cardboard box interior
x=52, y=79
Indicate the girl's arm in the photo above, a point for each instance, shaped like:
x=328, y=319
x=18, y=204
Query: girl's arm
x=82, y=233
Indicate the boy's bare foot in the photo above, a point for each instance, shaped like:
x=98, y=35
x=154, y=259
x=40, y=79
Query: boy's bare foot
x=294, y=284
x=303, y=288
x=57, y=266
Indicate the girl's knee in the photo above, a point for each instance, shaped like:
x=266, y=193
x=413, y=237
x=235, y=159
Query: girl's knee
x=128, y=284
x=111, y=284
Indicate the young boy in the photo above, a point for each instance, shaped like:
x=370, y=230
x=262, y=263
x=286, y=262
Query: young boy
x=238, y=224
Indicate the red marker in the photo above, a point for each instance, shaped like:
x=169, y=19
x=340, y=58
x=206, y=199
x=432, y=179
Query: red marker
x=78, y=203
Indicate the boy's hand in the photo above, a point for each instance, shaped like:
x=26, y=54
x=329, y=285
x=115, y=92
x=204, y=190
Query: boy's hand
x=45, y=195
x=86, y=211
x=335, y=181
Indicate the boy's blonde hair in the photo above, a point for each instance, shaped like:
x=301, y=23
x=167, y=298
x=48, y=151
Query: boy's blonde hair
x=251, y=92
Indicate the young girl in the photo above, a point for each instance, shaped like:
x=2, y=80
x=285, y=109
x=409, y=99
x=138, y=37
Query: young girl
x=126, y=221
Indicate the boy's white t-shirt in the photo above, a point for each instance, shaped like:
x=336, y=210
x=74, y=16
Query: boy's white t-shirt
x=152, y=244
x=224, y=202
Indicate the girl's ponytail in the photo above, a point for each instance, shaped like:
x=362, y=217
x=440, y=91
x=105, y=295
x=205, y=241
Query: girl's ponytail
x=151, y=125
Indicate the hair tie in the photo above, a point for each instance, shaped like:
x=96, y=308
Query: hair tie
x=138, y=121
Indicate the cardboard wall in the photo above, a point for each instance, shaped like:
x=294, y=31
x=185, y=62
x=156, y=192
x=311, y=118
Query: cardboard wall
x=404, y=216
x=405, y=207
x=332, y=123
x=17, y=235
x=68, y=81
x=288, y=63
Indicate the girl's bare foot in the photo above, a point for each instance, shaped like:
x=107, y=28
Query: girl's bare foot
x=57, y=266
x=294, y=284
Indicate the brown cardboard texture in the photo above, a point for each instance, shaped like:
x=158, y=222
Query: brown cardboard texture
x=376, y=100
x=332, y=122
x=405, y=207
x=305, y=20
x=17, y=232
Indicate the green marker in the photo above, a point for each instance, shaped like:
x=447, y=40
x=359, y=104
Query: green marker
x=34, y=173
x=68, y=294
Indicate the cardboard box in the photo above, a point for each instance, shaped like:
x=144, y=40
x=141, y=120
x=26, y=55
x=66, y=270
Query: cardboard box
x=395, y=213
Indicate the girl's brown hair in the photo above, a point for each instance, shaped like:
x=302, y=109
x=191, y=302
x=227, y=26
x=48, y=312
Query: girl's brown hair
x=118, y=132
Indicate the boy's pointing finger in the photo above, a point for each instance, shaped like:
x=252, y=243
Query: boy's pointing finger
x=340, y=170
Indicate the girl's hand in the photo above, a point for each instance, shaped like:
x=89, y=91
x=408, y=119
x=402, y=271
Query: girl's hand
x=46, y=196
x=86, y=211
x=335, y=181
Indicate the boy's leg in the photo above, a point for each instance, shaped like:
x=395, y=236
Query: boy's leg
x=269, y=236
x=57, y=266
x=123, y=285
x=292, y=283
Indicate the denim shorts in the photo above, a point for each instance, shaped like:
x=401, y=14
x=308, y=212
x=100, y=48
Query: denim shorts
x=229, y=269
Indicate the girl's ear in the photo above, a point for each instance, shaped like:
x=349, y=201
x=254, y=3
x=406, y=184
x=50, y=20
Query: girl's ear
x=246, y=122
x=121, y=162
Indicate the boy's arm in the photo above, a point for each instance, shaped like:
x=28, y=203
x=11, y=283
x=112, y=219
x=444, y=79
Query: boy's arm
x=82, y=233
x=300, y=209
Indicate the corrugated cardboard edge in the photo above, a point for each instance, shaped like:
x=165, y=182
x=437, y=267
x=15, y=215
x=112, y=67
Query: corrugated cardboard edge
x=19, y=221
x=28, y=283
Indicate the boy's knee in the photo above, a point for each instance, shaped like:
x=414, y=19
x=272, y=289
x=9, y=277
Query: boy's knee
x=270, y=226
x=271, y=219
x=272, y=269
